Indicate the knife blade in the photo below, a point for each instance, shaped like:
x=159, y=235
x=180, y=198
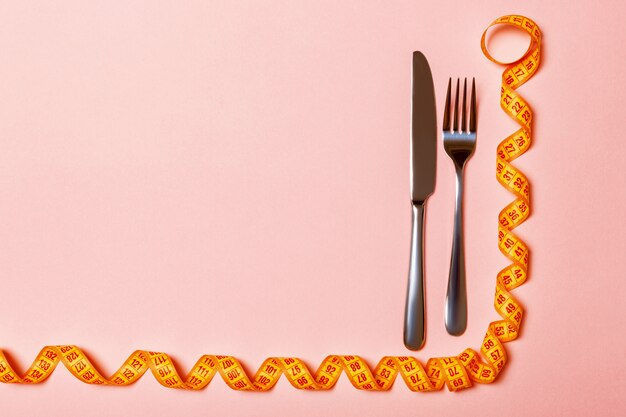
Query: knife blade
x=423, y=170
x=423, y=131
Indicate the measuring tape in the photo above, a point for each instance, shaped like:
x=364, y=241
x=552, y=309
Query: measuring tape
x=456, y=372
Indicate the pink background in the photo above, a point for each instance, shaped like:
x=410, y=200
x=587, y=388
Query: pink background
x=232, y=178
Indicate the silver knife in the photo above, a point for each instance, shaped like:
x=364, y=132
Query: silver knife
x=423, y=167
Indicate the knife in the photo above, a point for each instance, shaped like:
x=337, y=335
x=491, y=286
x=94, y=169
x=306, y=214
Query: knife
x=423, y=167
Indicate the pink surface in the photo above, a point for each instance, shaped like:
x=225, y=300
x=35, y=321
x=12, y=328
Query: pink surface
x=232, y=178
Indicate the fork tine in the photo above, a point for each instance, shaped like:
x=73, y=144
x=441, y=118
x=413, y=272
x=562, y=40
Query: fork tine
x=446, y=111
x=456, y=108
x=472, y=120
x=463, y=111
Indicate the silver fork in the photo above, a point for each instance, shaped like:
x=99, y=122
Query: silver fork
x=459, y=145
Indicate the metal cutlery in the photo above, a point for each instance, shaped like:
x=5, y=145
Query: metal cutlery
x=459, y=144
x=423, y=169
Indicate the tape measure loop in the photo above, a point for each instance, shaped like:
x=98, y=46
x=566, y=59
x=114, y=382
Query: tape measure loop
x=456, y=372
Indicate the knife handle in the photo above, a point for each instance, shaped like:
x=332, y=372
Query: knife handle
x=414, y=310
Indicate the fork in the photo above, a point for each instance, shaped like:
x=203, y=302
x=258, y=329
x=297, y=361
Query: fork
x=459, y=144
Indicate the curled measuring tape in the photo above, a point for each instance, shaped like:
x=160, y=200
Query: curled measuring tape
x=456, y=372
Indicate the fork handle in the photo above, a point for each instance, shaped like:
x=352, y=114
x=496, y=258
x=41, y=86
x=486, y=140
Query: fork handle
x=414, y=309
x=456, y=297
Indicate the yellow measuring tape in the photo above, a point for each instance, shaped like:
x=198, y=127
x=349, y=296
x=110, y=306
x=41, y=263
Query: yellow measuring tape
x=456, y=372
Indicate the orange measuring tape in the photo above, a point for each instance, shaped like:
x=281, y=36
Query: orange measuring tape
x=455, y=372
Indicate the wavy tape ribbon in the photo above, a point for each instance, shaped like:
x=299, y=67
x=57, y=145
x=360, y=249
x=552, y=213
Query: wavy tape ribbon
x=454, y=372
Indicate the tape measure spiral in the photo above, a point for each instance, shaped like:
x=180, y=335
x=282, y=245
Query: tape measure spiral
x=457, y=372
